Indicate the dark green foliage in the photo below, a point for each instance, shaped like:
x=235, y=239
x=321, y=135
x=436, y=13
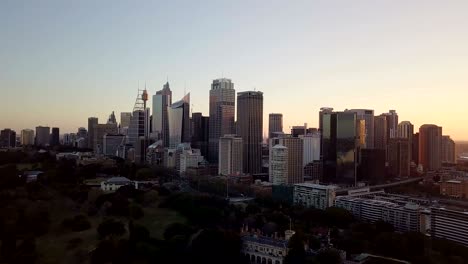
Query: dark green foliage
x=329, y=256
x=110, y=227
x=74, y=243
x=77, y=223
x=136, y=212
x=177, y=229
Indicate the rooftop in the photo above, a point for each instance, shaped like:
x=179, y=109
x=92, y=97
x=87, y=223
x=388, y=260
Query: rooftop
x=316, y=186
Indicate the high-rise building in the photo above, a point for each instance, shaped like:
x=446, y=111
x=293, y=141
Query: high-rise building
x=125, y=118
x=7, y=138
x=392, y=123
x=399, y=157
x=55, y=137
x=415, y=149
x=42, y=136
x=295, y=154
x=371, y=168
x=314, y=195
x=323, y=111
x=162, y=100
x=448, y=150
x=100, y=130
x=179, y=122
x=92, y=121
x=112, y=119
x=380, y=132
x=275, y=124
x=449, y=224
x=297, y=131
x=230, y=155
x=406, y=130
x=199, y=127
x=340, y=144
x=430, y=139
x=368, y=116
x=111, y=144
x=311, y=147
x=222, y=111
x=250, y=129
x=279, y=165
x=27, y=137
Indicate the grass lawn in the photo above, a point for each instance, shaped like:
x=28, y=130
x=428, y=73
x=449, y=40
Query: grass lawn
x=157, y=219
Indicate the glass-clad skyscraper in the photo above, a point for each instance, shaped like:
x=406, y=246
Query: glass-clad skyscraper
x=179, y=122
x=340, y=133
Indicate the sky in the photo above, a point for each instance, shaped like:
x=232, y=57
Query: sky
x=63, y=61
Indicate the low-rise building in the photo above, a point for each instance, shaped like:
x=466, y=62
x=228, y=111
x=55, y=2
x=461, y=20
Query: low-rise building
x=449, y=224
x=314, y=195
x=454, y=188
x=404, y=218
x=258, y=248
x=114, y=183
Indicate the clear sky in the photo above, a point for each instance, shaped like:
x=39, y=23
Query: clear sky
x=63, y=61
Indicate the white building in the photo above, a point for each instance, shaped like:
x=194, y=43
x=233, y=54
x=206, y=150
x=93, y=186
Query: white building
x=114, y=183
x=450, y=224
x=230, y=155
x=279, y=165
x=404, y=218
x=190, y=158
x=311, y=147
x=314, y=195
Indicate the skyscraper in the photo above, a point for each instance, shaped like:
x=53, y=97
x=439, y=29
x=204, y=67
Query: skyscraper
x=100, y=130
x=222, y=111
x=92, y=121
x=295, y=152
x=368, y=116
x=311, y=147
x=112, y=119
x=179, y=122
x=448, y=150
x=230, y=155
x=399, y=150
x=161, y=101
x=7, y=138
x=392, y=123
x=42, y=136
x=55, y=137
x=200, y=126
x=430, y=139
x=125, y=118
x=275, y=124
x=250, y=129
x=340, y=147
x=27, y=137
x=279, y=165
x=406, y=130
x=380, y=132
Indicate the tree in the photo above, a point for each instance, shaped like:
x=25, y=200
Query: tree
x=329, y=256
x=296, y=253
x=144, y=174
x=110, y=227
x=77, y=224
x=176, y=229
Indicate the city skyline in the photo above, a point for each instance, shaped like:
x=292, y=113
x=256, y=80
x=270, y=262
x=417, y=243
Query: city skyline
x=410, y=57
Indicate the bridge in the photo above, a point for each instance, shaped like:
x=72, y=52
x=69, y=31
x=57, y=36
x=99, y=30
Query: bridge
x=381, y=186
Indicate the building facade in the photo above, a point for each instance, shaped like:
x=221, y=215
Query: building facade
x=125, y=118
x=449, y=224
x=250, y=129
x=179, y=122
x=380, y=132
x=399, y=157
x=230, y=155
x=199, y=127
x=27, y=137
x=275, y=124
x=279, y=165
x=222, y=112
x=112, y=143
x=7, y=138
x=311, y=147
x=368, y=116
x=55, y=137
x=42, y=136
x=295, y=157
x=162, y=100
x=100, y=130
x=447, y=150
x=92, y=121
x=430, y=141
x=314, y=195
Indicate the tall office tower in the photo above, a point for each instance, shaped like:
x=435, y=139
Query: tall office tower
x=279, y=165
x=42, y=136
x=323, y=111
x=371, y=168
x=111, y=144
x=392, y=123
x=297, y=131
x=27, y=137
x=340, y=147
x=380, y=132
x=250, y=129
x=161, y=101
x=92, y=121
x=399, y=150
x=55, y=137
x=7, y=138
x=230, y=155
x=112, y=119
x=311, y=147
x=275, y=124
x=295, y=157
x=430, y=139
x=406, y=130
x=179, y=122
x=448, y=150
x=222, y=107
x=368, y=116
x=100, y=130
x=125, y=118
x=415, y=149
x=199, y=133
